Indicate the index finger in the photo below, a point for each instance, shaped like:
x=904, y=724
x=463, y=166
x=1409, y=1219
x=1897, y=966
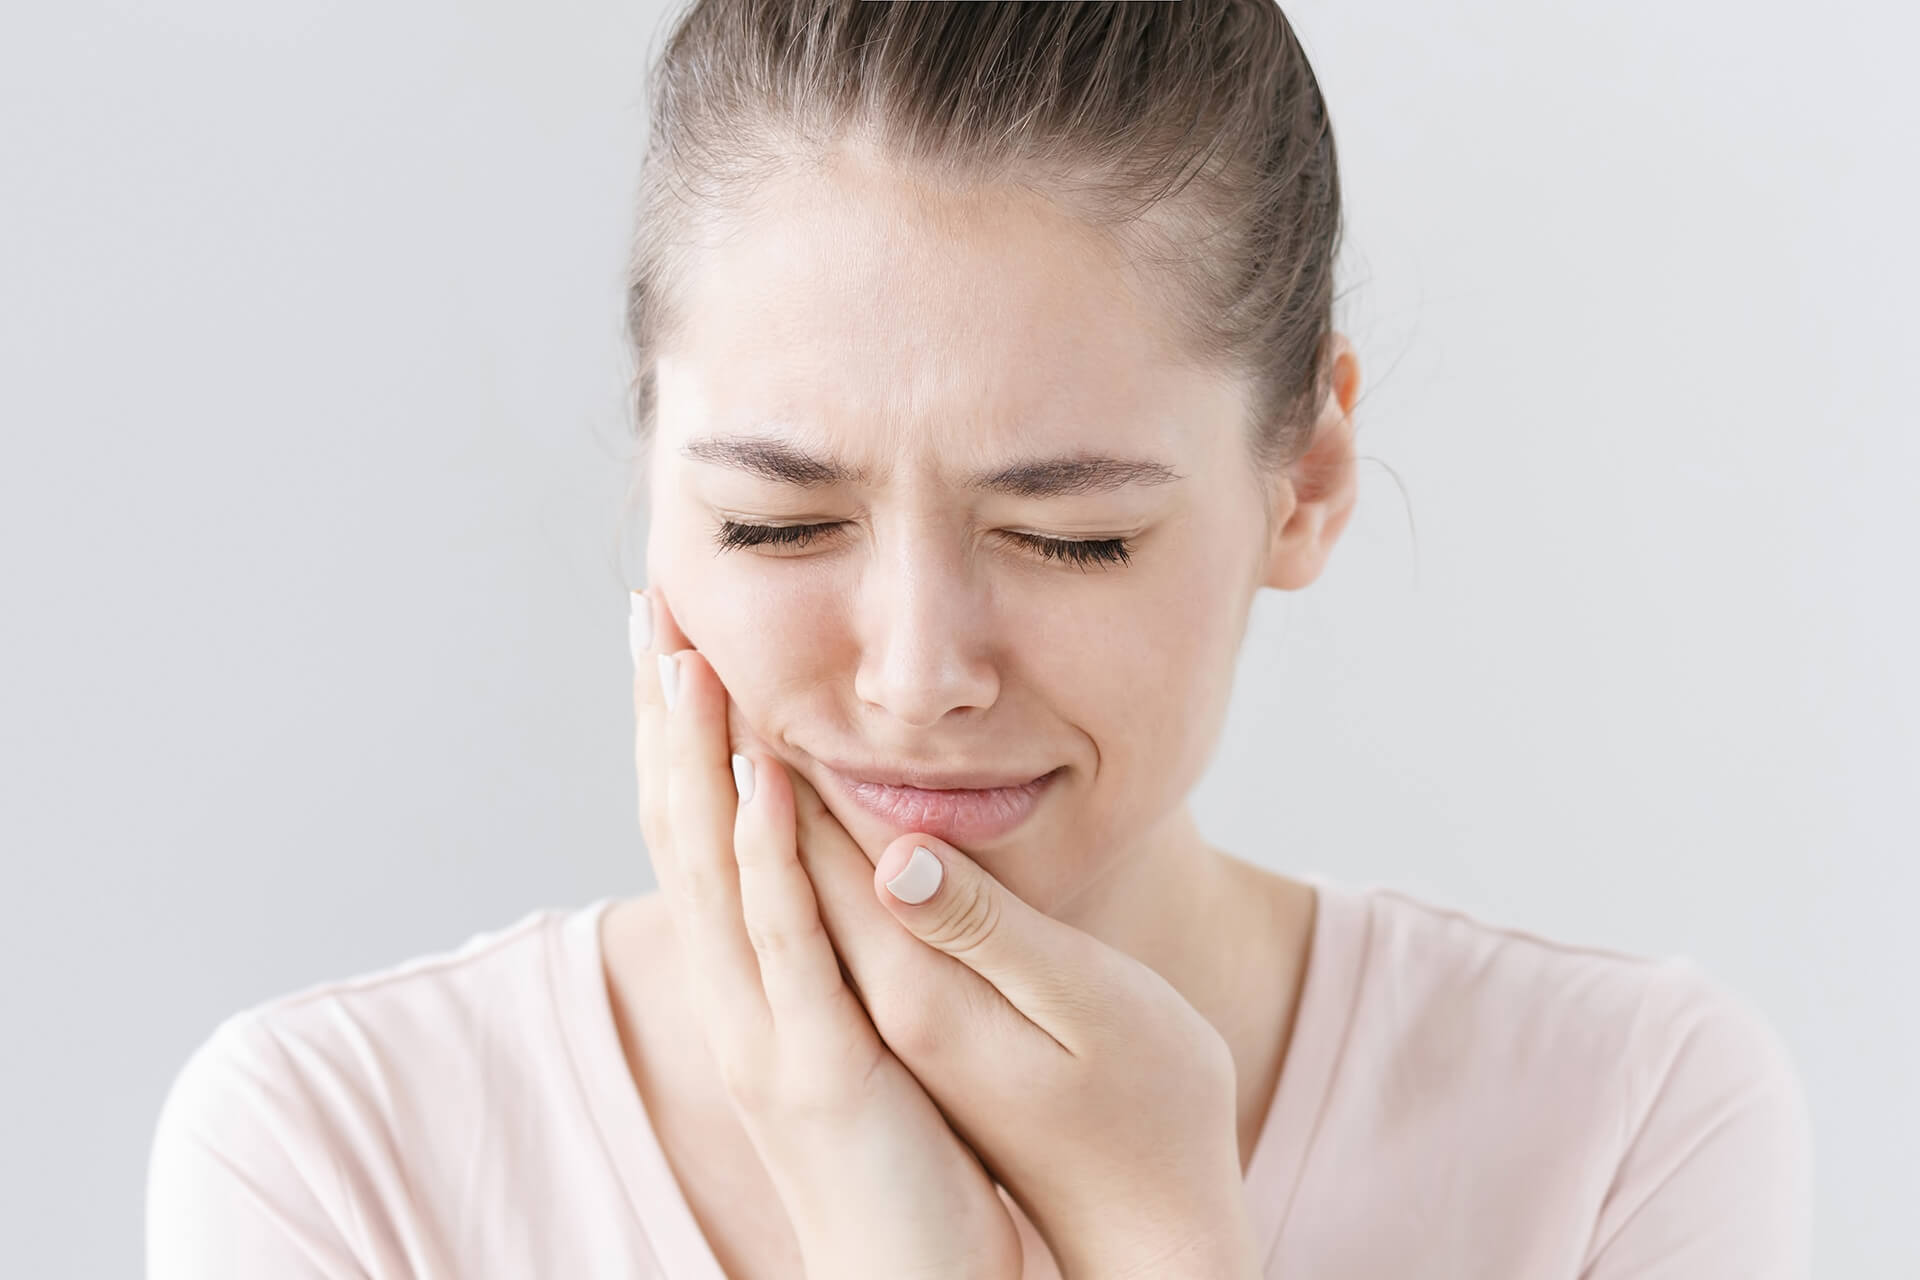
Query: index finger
x=651, y=630
x=652, y=633
x=874, y=950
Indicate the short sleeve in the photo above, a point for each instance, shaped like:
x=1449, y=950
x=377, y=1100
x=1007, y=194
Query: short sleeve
x=1716, y=1180
x=230, y=1180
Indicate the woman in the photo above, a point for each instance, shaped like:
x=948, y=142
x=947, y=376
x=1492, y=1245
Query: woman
x=987, y=371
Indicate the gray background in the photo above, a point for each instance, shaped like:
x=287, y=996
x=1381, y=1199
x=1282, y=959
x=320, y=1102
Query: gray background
x=315, y=448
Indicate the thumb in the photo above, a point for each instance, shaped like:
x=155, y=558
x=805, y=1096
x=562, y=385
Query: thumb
x=948, y=901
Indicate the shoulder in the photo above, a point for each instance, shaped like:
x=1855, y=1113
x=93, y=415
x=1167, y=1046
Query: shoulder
x=408, y=1016
x=1646, y=1087
x=303, y=1094
x=1650, y=1023
x=1714, y=1172
x=400, y=1017
x=1444, y=968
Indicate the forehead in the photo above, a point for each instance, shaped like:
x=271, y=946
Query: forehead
x=853, y=307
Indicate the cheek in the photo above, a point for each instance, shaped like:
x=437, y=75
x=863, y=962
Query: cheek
x=733, y=602
x=1131, y=675
x=767, y=639
x=1148, y=688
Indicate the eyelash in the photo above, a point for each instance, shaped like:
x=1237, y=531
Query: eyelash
x=1082, y=552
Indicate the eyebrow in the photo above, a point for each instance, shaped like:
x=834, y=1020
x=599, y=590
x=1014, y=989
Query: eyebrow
x=1065, y=475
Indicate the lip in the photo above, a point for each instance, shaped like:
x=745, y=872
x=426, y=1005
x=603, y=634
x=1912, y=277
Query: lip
x=930, y=779
x=956, y=816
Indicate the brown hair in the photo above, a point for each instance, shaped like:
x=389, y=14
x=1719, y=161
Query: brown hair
x=1191, y=132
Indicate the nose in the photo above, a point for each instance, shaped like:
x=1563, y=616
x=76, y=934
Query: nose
x=926, y=645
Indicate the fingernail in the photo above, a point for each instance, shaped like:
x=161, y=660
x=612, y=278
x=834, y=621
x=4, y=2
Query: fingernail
x=742, y=777
x=669, y=679
x=919, y=880
x=640, y=625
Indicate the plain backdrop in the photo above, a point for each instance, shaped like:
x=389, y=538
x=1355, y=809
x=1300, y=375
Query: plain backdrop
x=315, y=577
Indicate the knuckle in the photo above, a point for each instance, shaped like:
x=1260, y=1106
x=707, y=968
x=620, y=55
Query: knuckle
x=745, y=1083
x=699, y=885
x=967, y=926
x=777, y=939
x=653, y=819
x=918, y=1036
x=910, y=1025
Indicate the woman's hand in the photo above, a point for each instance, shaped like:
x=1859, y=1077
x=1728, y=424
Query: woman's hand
x=872, y=1177
x=1090, y=1088
x=1081, y=1079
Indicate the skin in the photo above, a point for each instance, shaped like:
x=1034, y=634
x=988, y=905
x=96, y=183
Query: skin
x=926, y=336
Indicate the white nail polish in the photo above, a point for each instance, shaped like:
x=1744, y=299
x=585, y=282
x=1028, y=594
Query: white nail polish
x=640, y=626
x=918, y=879
x=669, y=679
x=742, y=777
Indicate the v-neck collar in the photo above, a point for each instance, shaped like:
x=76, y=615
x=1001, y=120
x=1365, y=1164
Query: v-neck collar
x=1319, y=1035
x=666, y=1219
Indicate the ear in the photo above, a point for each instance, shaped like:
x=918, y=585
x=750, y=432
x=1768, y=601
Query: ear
x=1315, y=496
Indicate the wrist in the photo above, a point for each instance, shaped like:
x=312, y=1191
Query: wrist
x=859, y=1263
x=1224, y=1253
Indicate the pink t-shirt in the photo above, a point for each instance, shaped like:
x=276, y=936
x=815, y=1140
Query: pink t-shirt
x=1459, y=1100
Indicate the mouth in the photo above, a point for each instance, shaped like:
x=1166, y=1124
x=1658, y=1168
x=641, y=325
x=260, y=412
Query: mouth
x=956, y=815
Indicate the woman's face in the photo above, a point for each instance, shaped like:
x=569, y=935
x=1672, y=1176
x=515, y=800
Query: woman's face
x=911, y=345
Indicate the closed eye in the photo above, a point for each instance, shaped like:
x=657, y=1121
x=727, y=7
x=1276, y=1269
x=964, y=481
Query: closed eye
x=1082, y=552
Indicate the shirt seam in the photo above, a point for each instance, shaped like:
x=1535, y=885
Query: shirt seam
x=424, y=966
x=1339, y=1053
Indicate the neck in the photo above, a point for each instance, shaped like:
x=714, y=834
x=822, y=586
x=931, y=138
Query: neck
x=1158, y=902
x=1230, y=937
